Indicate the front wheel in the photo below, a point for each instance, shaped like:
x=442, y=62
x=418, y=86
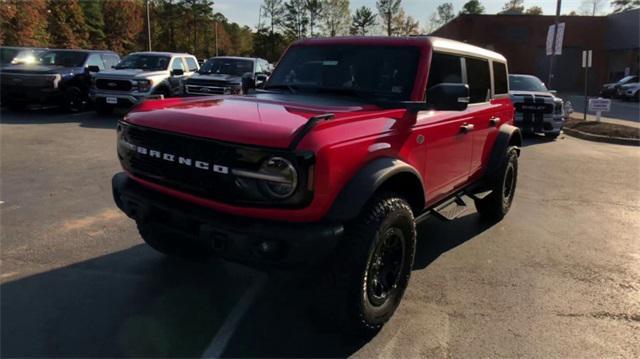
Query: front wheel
x=73, y=100
x=496, y=205
x=370, y=270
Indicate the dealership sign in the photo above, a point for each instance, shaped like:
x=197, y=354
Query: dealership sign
x=559, y=38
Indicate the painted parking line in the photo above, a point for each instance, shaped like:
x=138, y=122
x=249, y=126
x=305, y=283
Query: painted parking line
x=221, y=339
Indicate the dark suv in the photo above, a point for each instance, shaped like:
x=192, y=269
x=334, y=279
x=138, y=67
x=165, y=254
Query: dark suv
x=60, y=77
x=226, y=75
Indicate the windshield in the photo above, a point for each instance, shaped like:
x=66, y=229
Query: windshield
x=144, y=62
x=234, y=67
x=367, y=71
x=63, y=58
x=526, y=83
x=7, y=55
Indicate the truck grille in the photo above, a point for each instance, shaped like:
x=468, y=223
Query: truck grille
x=215, y=83
x=113, y=85
x=204, y=90
x=167, y=165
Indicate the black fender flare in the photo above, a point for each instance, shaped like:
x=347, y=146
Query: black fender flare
x=508, y=135
x=366, y=182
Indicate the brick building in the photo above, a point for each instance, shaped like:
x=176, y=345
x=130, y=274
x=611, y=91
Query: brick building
x=614, y=39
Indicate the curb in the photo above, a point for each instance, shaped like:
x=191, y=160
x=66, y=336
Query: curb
x=600, y=138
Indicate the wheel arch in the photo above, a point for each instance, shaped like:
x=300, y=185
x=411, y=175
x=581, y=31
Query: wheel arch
x=381, y=174
x=508, y=136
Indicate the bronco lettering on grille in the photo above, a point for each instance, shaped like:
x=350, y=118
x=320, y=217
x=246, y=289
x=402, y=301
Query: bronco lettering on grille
x=170, y=157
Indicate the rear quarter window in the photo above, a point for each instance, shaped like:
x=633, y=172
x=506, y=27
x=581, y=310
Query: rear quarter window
x=478, y=79
x=500, y=82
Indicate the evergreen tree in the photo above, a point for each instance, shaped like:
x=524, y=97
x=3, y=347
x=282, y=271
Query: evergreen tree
x=513, y=7
x=315, y=10
x=472, y=7
x=362, y=21
x=388, y=10
x=67, y=27
x=273, y=11
x=296, y=19
x=92, y=10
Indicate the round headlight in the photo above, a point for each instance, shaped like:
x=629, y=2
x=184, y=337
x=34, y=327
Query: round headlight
x=284, y=178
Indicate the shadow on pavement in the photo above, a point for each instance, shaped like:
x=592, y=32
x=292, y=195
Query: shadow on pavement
x=138, y=303
x=89, y=119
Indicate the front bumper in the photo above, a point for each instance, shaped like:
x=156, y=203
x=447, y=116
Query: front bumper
x=123, y=99
x=30, y=95
x=236, y=238
x=547, y=123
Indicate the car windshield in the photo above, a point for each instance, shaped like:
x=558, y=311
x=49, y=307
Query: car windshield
x=144, y=62
x=234, y=67
x=7, y=55
x=63, y=58
x=526, y=83
x=372, y=72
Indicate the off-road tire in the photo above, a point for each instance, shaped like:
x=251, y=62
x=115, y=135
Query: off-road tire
x=171, y=244
x=349, y=280
x=496, y=205
x=73, y=100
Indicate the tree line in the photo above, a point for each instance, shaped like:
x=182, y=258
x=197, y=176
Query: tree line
x=194, y=26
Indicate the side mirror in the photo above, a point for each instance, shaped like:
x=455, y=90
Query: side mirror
x=448, y=97
x=93, y=68
x=553, y=92
x=177, y=72
x=261, y=78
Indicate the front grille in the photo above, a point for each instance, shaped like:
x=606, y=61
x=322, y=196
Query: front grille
x=113, y=85
x=203, y=82
x=216, y=184
x=205, y=90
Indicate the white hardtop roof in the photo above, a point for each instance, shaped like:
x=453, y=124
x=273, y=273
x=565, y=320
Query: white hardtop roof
x=452, y=46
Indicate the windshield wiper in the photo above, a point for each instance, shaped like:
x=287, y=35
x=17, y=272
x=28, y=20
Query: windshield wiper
x=289, y=87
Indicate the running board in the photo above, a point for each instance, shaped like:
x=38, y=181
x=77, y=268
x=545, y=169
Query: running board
x=451, y=209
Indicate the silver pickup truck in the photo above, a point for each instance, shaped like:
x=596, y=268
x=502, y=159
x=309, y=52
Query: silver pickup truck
x=141, y=75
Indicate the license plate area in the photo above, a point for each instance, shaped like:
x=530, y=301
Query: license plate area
x=112, y=100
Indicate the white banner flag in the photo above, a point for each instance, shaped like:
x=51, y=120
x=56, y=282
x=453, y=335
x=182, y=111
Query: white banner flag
x=559, y=38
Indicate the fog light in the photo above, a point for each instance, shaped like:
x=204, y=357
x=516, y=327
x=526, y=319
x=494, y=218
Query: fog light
x=270, y=249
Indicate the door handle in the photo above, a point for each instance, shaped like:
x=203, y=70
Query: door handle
x=466, y=127
x=494, y=121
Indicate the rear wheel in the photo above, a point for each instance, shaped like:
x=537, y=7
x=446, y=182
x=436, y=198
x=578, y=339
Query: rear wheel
x=171, y=244
x=496, y=205
x=370, y=270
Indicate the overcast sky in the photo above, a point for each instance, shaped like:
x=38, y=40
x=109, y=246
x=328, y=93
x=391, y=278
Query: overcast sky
x=245, y=12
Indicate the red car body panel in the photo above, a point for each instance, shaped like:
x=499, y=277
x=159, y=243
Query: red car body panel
x=430, y=141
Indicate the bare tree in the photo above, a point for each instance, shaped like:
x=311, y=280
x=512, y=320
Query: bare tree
x=315, y=10
x=273, y=10
x=592, y=7
x=336, y=17
x=534, y=10
x=624, y=5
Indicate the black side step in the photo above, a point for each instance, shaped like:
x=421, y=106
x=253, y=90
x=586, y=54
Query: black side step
x=451, y=209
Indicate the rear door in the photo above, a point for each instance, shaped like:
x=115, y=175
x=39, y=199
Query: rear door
x=447, y=141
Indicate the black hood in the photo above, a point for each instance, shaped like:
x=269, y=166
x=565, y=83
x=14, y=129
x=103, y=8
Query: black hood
x=39, y=69
x=215, y=78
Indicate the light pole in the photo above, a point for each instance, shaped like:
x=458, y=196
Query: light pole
x=148, y=26
x=553, y=47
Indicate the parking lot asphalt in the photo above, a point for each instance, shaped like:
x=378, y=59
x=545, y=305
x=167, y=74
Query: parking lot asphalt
x=558, y=277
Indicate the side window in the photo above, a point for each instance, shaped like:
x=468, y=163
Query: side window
x=500, y=83
x=177, y=64
x=259, y=69
x=479, y=80
x=95, y=60
x=444, y=68
x=110, y=60
x=192, y=63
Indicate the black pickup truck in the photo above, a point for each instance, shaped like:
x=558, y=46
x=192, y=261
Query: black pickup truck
x=60, y=77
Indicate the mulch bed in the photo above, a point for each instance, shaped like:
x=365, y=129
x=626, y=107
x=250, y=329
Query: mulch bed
x=603, y=128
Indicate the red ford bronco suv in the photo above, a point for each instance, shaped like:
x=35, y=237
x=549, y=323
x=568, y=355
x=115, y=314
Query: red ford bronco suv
x=350, y=143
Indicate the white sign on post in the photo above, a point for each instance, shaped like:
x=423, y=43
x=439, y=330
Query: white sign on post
x=559, y=38
x=586, y=58
x=599, y=105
